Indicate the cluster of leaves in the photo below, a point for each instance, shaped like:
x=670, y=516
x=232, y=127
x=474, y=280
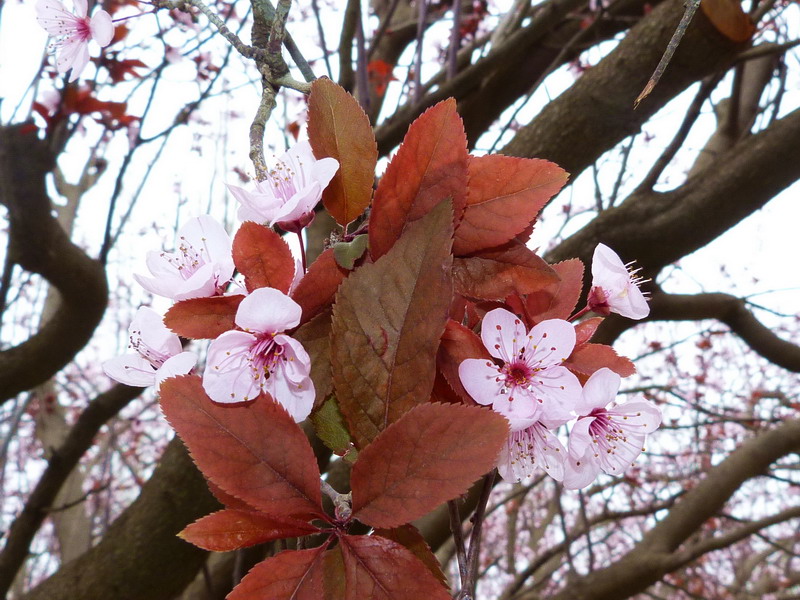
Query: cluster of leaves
x=388, y=313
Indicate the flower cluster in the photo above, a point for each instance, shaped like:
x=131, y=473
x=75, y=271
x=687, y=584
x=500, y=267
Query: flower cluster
x=533, y=389
x=257, y=356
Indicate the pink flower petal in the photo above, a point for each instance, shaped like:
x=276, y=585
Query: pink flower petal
x=180, y=364
x=530, y=449
x=102, y=28
x=638, y=416
x=73, y=54
x=206, y=234
x=579, y=439
x=623, y=452
x=267, y=310
x=550, y=343
x=581, y=471
x=301, y=203
x=296, y=364
x=296, y=397
x=503, y=334
x=479, y=377
x=81, y=7
x=598, y=391
x=517, y=403
x=149, y=326
x=130, y=369
x=228, y=376
x=558, y=389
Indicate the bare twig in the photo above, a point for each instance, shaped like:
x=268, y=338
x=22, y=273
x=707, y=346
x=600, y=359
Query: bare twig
x=458, y=539
x=258, y=126
x=321, y=33
x=422, y=13
x=382, y=28
x=688, y=13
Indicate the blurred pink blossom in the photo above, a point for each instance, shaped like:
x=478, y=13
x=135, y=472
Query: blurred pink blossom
x=73, y=31
x=243, y=364
x=158, y=353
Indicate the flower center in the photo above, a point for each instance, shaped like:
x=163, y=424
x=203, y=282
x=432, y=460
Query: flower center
x=186, y=259
x=150, y=354
x=282, y=177
x=264, y=355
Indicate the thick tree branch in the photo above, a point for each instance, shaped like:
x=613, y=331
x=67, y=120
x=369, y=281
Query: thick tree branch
x=141, y=556
x=659, y=228
x=39, y=245
x=63, y=460
x=597, y=112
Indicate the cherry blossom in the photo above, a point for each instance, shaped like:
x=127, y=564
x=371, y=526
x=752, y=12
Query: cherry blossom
x=201, y=266
x=158, y=353
x=243, y=364
x=73, y=32
x=615, y=288
x=531, y=383
x=607, y=439
x=531, y=446
x=291, y=191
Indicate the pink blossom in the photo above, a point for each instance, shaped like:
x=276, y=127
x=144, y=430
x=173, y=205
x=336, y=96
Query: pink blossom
x=291, y=191
x=243, y=364
x=615, y=288
x=531, y=383
x=73, y=31
x=158, y=353
x=607, y=439
x=531, y=446
x=201, y=266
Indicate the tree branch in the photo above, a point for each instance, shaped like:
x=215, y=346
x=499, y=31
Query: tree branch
x=39, y=245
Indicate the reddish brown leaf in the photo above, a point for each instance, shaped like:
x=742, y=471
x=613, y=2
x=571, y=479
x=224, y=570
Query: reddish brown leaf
x=495, y=274
x=585, y=330
x=334, y=574
x=315, y=337
x=387, y=321
x=290, y=575
x=338, y=127
x=505, y=195
x=228, y=500
x=317, y=288
x=235, y=446
x=381, y=569
x=558, y=300
x=430, y=166
x=203, y=318
x=588, y=358
x=262, y=257
x=411, y=538
x=442, y=392
x=458, y=343
x=431, y=455
x=232, y=529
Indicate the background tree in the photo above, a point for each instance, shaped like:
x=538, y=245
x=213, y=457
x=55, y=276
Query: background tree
x=711, y=512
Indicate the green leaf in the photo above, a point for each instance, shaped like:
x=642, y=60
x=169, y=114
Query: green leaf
x=330, y=427
x=347, y=253
x=387, y=321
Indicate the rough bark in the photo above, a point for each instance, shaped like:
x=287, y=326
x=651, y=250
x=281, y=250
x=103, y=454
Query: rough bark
x=597, y=112
x=140, y=557
x=39, y=245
